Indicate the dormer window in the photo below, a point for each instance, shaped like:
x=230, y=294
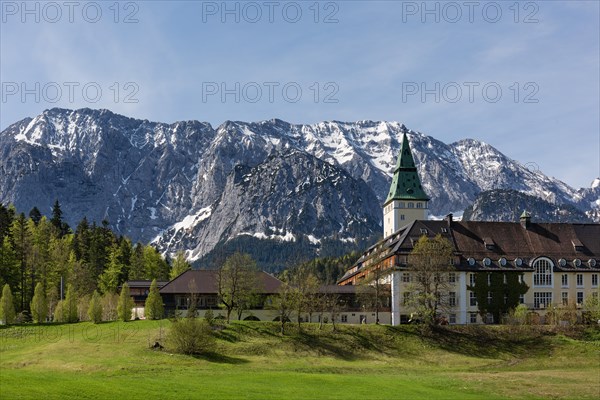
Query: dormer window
x=518, y=261
x=577, y=262
x=562, y=262
x=471, y=261
x=592, y=262
x=577, y=245
x=502, y=262
x=489, y=243
x=423, y=231
x=487, y=261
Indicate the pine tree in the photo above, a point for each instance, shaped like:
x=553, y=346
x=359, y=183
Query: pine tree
x=9, y=264
x=7, y=214
x=125, y=304
x=35, y=215
x=111, y=277
x=180, y=265
x=39, y=305
x=95, y=308
x=154, y=305
x=61, y=227
x=7, y=306
x=137, y=269
x=22, y=245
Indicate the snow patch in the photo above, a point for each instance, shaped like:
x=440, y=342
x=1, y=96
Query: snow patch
x=193, y=219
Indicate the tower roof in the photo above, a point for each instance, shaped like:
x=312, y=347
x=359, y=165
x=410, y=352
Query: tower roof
x=406, y=184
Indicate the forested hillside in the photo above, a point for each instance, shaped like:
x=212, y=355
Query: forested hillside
x=36, y=249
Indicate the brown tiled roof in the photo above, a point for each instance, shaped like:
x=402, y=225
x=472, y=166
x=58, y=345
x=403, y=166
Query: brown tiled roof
x=495, y=240
x=206, y=282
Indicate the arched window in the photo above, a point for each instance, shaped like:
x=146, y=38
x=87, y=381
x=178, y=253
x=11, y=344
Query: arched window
x=542, y=276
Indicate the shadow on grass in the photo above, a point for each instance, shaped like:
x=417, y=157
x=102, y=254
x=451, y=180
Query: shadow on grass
x=220, y=358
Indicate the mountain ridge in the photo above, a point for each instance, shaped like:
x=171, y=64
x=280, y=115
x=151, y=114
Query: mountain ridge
x=157, y=182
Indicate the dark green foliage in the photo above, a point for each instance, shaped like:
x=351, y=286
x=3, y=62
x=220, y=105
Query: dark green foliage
x=35, y=215
x=36, y=251
x=327, y=270
x=504, y=296
x=274, y=256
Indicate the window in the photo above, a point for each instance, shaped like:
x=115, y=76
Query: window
x=471, y=279
x=504, y=279
x=579, y=297
x=452, y=318
x=542, y=275
x=411, y=205
x=564, y=280
x=401, y=217
x=579, y=280
x=401, y=204
x=452, y=299
x=487, y=261
x=406, y=277
x=452, y=277
x=594, y=280
x=521, y=299
x=542, y=299
x=344, y=318
x=472, y=299
x=489, y=318
x=473, y=318
x=565, y=298
x=423, y=231
x=489, y=298
x=471, y=261
x=419, y=205
x=489, y=276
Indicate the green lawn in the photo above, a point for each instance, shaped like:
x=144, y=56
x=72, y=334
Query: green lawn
x=252, y=361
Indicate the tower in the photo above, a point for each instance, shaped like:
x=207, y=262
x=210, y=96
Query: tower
x=406, y=201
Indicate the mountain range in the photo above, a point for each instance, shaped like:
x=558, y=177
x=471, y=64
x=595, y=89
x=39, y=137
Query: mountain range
x=187, y=185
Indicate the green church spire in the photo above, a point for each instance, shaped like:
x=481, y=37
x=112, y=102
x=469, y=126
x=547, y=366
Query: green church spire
x=406, y=184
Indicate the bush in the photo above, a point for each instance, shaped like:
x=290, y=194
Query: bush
x=109, y=306
x=190, y=336
x=209, y=317
x=95, y=308
x=7, y=306
x=154, y=305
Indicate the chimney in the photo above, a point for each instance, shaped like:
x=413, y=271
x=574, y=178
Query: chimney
x=525, y=220
x=449, y=220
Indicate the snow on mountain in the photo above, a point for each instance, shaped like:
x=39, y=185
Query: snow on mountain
x=190, y=186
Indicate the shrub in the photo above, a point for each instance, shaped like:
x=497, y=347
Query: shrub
x=190, y=336
x=7, y=306
x=109, y=306
x=39, y=305
x=95, y=308
x=209, y=317
x=154, y=305
x=125, y=304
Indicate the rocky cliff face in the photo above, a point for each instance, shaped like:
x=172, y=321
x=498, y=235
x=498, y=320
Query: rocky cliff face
x=190, y=186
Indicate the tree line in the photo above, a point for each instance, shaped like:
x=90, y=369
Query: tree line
x=46, y=256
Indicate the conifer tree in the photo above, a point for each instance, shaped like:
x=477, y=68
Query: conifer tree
x=21, y=237
x=180, y=265
x=35, y=215
x=61, y=227
x=95, y=308
x=125, y=304
x=137, y=269
x=9, y=265
x=154, y=305
x=39, y=305
x=156, y=266
x=7, y=306
x=111, y=277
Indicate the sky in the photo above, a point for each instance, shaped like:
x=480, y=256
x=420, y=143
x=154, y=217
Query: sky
x=521, y=76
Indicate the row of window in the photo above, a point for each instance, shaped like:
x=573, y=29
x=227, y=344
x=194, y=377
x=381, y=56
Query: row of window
x=402, y=204
x=542, y=277
x=541, y=263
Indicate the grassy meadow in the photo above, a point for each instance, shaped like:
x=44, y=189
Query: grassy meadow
x=253, y=361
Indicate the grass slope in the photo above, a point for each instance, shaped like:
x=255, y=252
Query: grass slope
x=252, y=361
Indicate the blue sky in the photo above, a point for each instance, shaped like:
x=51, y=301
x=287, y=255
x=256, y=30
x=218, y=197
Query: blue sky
x=438, y=67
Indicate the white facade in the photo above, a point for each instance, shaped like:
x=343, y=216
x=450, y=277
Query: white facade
x=399, y=213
